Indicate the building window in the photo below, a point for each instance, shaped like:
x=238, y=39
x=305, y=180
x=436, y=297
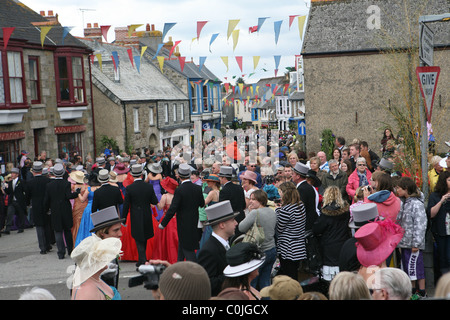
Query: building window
x=194, y=99
x=35, y=88
x=182, y=111
x=9, y=152
x=166, y=113
x=69, y=143
x=136, y=119
x=70, y=80
x=15, y=76
x=174, y=112
x=151, y=116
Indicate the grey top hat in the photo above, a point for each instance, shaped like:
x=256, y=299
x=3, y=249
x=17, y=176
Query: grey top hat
x=136, y=170
x=226, y=171
x=154, y=167
x=103, y=176
x=105, y=218
x=301, y=169
x=184, y=170
x=100, y=160
x=58, y=170
x=37, y=166
x=362, y=214
x=15, y=170
x=219, y=212
x=386, y=164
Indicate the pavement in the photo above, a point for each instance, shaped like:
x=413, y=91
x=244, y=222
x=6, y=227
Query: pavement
x=22, y=266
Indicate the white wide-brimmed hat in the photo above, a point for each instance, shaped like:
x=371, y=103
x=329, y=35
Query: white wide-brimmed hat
x=93, y=254
x=243, y=258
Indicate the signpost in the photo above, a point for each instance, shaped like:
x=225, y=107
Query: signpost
x=428, y=78
x=426, y=44
x=301, y=128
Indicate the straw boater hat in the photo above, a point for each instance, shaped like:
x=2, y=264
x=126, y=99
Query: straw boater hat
x=105, y=218
x=301, y=169
x=219, y=212
x=363, y=214
x=249, y=175
x=243, y=258
x=77, y=176
x=169, y=184
x=103, y=176
x=376, y=241
x=92, y=255
x=154, y=167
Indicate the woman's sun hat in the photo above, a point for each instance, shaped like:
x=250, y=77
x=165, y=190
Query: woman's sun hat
x=169, y=184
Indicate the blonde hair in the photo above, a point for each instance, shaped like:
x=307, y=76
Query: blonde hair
x=333, y=194
x=349, y=286
x=359, y=194
x=443, y=287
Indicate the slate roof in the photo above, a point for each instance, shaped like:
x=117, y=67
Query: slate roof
x=147, y=85
x=341, y=25
x=16, y=14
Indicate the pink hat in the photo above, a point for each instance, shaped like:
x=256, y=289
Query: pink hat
x=376, y=241
x=249, y=175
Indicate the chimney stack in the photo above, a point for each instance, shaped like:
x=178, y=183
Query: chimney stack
x=94, y=33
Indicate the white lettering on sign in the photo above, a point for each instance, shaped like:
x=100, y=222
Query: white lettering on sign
x=374, y=20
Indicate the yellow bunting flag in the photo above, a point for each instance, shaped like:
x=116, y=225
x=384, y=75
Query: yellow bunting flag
x=44, y=31
x=231, y=25
x=235, y=38
x=99, y=58
x=143, y=50
x=132, y=28
x=301, y=24
x=225, y=60
x=241, y=87
x=161, y=62
x=255, y=62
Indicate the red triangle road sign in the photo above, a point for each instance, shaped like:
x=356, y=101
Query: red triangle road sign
x=428, y=78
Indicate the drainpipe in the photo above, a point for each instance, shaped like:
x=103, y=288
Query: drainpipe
x=92, y=108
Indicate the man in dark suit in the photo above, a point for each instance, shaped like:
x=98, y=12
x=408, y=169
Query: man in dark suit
x=139, y=197
x=107, y=195
x=57, y=198
x=35, y=196
x=233, y=192
x=212, y=255
x=187, y=199
x=17, y=204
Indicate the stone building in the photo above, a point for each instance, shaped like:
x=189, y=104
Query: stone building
x=45, y=88
x=350, y=82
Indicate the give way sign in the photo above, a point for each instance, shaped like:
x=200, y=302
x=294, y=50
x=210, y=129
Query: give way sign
x=428, y=78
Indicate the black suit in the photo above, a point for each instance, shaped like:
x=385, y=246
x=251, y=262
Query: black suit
x=35, y=196
x=187, y=199
x=57, y=198
x=138, y=199
x=17, y=204
x=212, y=257
x=234, y=193
x=308, y=197
x=106, y=196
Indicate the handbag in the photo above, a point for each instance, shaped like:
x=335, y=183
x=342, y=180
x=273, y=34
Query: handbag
x=256, y=233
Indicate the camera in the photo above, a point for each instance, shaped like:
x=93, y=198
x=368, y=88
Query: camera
x=149, y=276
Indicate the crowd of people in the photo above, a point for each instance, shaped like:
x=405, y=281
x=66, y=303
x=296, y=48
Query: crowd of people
x=348, y=226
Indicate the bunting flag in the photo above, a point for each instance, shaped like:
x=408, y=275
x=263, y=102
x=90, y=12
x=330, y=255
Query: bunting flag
x=115, y=56
x=235, y=38
x=231, y=26
x=260, y=22
x=167, y=27
x=173, y=48
x=255, y=62
x=66, y=31
x=161, y=63
x=157, y=51
x=252, y=29
x=225, y=60
x=105, y=30
x=132, y=28
x=200, y=25
x=213, y=37
x=44, y=31
x=201, y=63
x=301, y=24
x=137, y=60
x=143, y=50
x=277, y=61
x=182, y=61
x=7, y=31
x=277, y=28
x=130, y=55
x=99, y=59
x=239, y=62
x=291, y=19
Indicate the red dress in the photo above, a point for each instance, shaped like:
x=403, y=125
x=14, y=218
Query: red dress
x=166, y=240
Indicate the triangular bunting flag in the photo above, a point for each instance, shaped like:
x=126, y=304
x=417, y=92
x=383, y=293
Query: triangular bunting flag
x=301, y=24
x=161, y=63
x=291, y=19
x=132, y=28
x=66, y=31
x=167, y=27
x=277, y=61
x=231, y=25
x=235, y=38
x=200, y=25
x=44, y=31
x=239, y=62
x=201, y=63
x=130, y=55
x=115, y=56
x=277, y=28
x=173, y=48
x=225, y=60
x=7, y=31
x=143, y=50
x=260, y=22
x=182, y=61
x=105, y=30
x=213, y=37
x=137, y=59
x=99, y=59
x=157, y=51
x=255, y=62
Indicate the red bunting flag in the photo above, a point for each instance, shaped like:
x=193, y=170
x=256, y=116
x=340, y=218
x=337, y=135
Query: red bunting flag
x=182, y=61
x=104, y=30
x=253, y=29
x=291, y=19
x=7, y=31
x=130, y=54
x=200, y=25
x=239, y=61
x=173, y=48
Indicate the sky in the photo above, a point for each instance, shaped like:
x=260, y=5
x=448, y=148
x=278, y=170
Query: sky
x=185, y=14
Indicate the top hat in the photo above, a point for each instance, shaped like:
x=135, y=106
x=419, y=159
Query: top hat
x=226, y=171
x=386, y=164
x=100, y=160
x=154, y=167
x=312, y=174
x=301, y=169
x=184, y=170
x=103, y=176
x=37, y=166
x=104, y=218
x=219, y=212
x=362, y=214
x=136, y=170
x=58, y=170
